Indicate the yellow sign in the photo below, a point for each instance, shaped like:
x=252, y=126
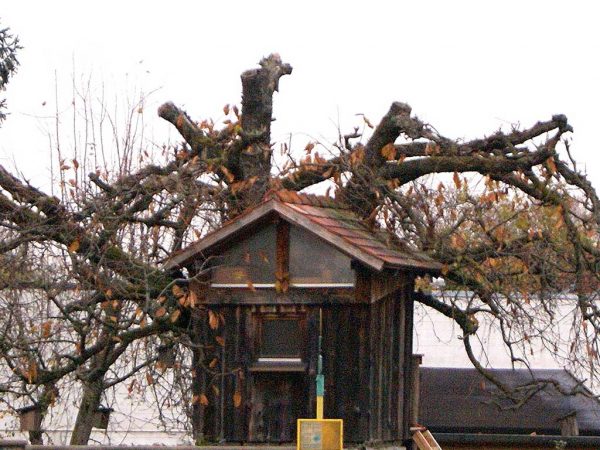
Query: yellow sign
x=320, y=434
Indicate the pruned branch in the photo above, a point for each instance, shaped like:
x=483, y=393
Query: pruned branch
x=200, y=144
x=258, y=86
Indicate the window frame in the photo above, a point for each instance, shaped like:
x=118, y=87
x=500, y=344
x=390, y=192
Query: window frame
x=300, y=319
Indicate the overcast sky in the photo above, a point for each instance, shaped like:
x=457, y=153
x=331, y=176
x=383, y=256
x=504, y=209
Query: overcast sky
x=468, y=68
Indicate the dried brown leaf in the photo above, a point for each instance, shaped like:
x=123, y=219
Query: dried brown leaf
x=74, y=246
x=178, y=291
x=388, y=152
x=213, y=320
x=237, y=399
x=175, y=315
x=456, y=179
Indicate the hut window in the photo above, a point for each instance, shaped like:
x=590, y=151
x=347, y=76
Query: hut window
x=316, y=263
x=280, y=338
x=250, y=261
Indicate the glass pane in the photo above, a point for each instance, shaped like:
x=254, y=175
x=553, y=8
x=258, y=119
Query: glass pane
x=313, y=261
x=251, y=260
x=280, y=338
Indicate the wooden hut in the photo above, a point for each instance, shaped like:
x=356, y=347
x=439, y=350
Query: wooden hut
x=280, y=272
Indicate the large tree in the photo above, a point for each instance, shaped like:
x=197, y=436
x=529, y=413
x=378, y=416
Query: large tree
x=9, y=46
x=514, y=223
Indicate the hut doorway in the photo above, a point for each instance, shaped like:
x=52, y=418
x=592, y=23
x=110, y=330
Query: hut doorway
x=278, y=400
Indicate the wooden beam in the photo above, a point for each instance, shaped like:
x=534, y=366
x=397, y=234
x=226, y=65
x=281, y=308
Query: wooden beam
x=337, y=241
x=424, y=439
x=282, y=266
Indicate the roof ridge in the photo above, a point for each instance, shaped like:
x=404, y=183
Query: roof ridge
x=293, y=197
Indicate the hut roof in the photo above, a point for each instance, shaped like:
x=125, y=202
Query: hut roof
x=325, y=217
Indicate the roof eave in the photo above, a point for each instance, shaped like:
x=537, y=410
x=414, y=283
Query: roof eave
x=429, y=267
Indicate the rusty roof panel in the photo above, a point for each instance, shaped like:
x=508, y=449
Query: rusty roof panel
x=343, y=231
x=409, y=262
x=366, y=234
x=336, y=218
x=372, y=250
x=345, y=224
x=297, y=199
x=325, y=221
x=384, y=251
x=309, y=210
x=306, y=199
x=362, y=242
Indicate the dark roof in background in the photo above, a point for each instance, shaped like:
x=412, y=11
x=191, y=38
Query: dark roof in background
x=461, y=400
x=325, y=217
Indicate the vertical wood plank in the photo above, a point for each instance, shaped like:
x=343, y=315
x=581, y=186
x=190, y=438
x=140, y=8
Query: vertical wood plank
x=400, y=317
x=391, y=364
x=364, y=373
x=282, y=265
x=372, y=371
x=380, y=367
x=198, y=379
x=346, y=367
x=408, y=344
x=362, y=285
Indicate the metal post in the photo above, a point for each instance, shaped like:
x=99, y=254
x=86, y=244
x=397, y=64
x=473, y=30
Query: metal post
x=320, y=377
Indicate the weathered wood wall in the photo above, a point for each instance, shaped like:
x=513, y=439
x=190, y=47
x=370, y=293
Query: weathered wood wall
x=366, y=349
x=347, y=368
x=390, y=348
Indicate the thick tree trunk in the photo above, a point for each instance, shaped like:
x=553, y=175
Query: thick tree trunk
x=361, y=191
x=254, y=158
x=35, y=436
x=90, y=401
x=49, y=395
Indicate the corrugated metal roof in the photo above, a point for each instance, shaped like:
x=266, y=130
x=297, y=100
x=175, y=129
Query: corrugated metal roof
x=326, y=217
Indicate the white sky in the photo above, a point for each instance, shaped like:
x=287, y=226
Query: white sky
x=466, y=67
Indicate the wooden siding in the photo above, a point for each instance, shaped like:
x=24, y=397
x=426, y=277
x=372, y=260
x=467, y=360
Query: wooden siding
x=388, y=282
x=268, y=296
x=366, y=348
x=390, y=351
x=347, y=368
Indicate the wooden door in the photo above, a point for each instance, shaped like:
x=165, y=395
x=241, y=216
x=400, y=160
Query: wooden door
x=278, y=400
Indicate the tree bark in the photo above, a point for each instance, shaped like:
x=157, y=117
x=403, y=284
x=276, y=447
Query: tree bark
x=35, y=436
x=254, y=155
x=49, y=395
x=360, y=192
x=90, y=402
